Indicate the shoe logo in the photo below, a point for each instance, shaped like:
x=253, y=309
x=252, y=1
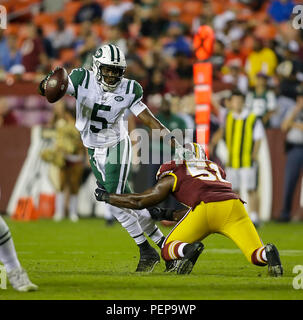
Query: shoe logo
x=119, y=98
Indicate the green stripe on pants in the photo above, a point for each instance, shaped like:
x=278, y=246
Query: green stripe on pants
x=116, y=167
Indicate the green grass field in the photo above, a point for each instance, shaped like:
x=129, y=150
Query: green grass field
x=88, y=260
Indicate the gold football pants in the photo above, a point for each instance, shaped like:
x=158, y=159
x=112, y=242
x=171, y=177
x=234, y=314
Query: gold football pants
x=225, y=217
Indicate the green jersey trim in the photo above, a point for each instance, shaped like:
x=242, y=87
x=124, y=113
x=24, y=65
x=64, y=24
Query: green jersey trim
x=128, y=86
x=77, y=77
x=138, y=91
x=87, y=79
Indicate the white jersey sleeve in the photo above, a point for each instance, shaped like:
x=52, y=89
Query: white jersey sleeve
x=137, y=108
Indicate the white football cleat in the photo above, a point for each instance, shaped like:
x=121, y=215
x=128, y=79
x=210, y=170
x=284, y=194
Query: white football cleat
x=58, y=217
x=73, y=217
x=19, y=280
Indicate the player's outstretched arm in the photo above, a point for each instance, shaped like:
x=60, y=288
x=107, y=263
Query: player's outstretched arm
x=152, y=122
x=146, y=199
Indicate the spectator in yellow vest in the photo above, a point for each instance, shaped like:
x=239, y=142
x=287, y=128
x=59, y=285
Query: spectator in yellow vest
x=242, y=132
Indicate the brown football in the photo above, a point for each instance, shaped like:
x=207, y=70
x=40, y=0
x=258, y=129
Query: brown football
x=56, y=85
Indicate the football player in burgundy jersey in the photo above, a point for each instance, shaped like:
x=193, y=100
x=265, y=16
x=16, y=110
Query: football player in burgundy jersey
x=213, y=207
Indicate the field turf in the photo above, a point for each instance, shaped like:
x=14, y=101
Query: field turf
x=88, y=260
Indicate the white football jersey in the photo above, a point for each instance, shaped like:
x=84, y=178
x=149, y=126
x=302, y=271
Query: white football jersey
x=99, y=113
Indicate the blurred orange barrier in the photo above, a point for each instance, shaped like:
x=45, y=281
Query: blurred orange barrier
x=203, y=114
x=25, y=210
x=203, y=134
x=203, y=73
x=202, y=94
x=46, y=206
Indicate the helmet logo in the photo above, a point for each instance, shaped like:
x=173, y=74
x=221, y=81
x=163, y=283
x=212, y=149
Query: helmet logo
x=99, y=53
x=119, y=98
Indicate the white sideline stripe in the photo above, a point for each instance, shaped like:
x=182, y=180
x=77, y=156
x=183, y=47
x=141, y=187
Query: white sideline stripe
x=222, y=251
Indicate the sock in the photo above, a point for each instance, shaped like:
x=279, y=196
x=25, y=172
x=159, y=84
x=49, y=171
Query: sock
x=107, y=212
x=148, y=225
x=157, y=237
x=258, y=257
x=8, y=255
x=129, y=221
x=73, y=204
x=60, y=204
x=173, y=250
x=160, y=242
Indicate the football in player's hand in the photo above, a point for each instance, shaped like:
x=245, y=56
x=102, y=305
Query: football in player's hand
x=56, y=85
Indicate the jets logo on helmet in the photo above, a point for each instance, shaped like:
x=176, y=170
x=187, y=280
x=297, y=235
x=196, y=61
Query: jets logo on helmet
x=109, y=65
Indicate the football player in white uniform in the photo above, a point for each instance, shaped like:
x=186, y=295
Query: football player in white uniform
x=102, y=96
x=16, y=275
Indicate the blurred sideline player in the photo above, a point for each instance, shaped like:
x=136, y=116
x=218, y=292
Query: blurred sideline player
x=102, y=96
x=213, y=208
x=16, y=275
x=68, y=155
x=242, y=132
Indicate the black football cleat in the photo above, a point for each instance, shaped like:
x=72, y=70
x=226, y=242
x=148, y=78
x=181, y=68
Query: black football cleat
x=190, y=258
x=148, y=260
x=172, y=265
x=275, y=268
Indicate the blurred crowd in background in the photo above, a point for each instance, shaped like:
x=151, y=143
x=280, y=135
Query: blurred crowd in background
x=252, y=37
x=257, y=51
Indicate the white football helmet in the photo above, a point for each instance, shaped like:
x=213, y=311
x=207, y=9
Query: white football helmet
x=191, y=152
x=111, y=57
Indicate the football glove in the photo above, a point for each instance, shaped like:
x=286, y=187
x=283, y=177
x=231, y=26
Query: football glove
x=42, y=85
x=101, y=194
x=159, y=214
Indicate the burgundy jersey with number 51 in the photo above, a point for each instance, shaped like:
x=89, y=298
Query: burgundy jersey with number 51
x=197, y=181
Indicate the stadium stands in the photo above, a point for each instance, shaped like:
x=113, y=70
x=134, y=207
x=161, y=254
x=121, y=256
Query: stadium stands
x=233, y=20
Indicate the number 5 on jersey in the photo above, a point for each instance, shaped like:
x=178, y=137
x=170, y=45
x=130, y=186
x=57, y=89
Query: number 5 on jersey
x=95, y=117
